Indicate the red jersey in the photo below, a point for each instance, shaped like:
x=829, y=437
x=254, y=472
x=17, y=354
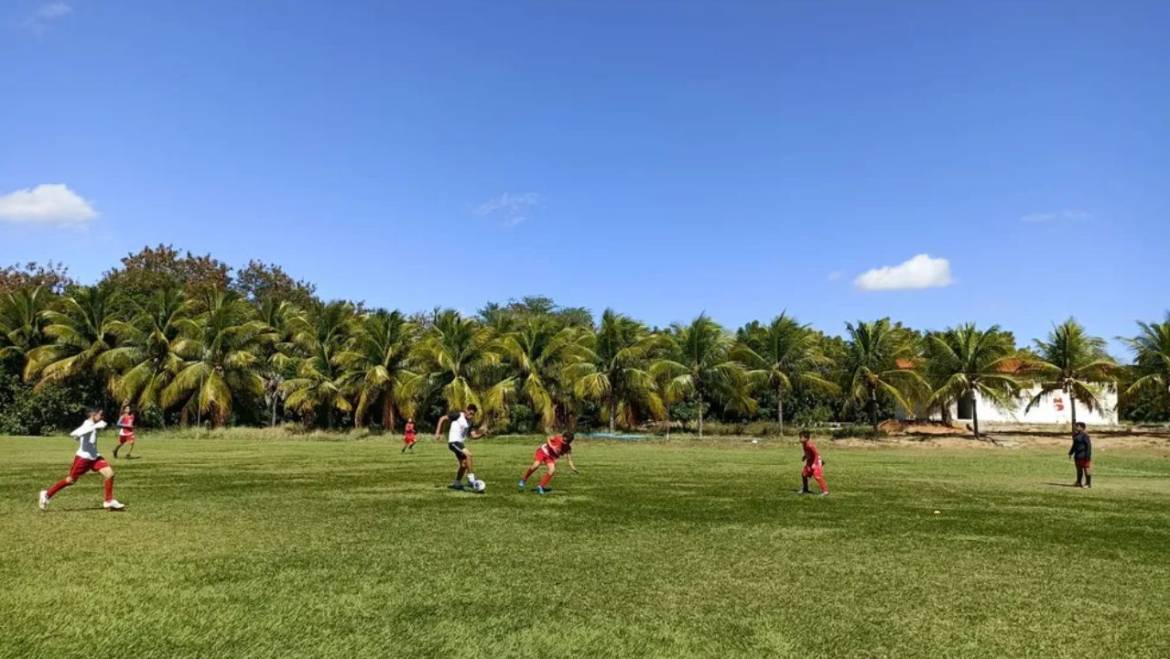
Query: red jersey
x=811, y=455
x=555, y=447
x=126, y=425
x=410, y=430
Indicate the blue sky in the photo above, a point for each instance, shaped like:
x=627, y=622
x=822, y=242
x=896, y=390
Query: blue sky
x=660, y=158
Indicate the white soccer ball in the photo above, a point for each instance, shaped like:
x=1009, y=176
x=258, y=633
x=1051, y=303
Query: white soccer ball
x=755, y=441
x=480, y=486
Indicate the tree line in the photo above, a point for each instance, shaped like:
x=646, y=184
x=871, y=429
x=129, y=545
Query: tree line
x=186, y=340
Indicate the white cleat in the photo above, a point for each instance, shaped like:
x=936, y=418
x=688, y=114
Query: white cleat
x=43, y=501
x=113, y=504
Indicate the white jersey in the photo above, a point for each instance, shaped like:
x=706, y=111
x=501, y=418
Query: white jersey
x=86, y=436
x=459, y=429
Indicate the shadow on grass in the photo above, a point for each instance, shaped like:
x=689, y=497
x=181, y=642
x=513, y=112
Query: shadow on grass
x=1060, y=485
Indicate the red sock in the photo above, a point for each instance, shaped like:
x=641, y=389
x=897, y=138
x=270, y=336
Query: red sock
x=109, y=485
x=546, y=480
x=57, y=487
x=821, y=482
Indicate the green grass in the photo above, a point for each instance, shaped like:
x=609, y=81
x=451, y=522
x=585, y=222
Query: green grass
x=246, y=547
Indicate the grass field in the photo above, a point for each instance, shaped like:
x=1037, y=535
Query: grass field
x=286, y=548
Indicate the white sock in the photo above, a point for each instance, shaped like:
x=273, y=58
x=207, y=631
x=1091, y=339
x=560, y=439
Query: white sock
x=471, y=478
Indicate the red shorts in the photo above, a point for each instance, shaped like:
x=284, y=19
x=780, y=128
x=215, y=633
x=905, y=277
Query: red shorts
x=1085, y=464
x=541, y=456
x=82, y=466
x=409, y=439
x=122, y=439
x=816, y=470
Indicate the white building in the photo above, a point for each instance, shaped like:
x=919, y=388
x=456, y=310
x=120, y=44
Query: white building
x=1052, y=409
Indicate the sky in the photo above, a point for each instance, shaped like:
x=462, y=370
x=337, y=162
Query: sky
x=935, y=162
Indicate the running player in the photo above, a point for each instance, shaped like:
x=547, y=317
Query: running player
x=86, y=460
x=813, y=466
x=457, y=437
x=125, y=432
x=556, y=447
x=408, y=437
x=1081, y=453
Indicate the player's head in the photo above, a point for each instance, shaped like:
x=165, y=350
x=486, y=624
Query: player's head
x=568, y=437
x=95, y=414
x=410, y=420
x=126, y=409
x=1081, y=426
x=805, y=435
x=470, y=410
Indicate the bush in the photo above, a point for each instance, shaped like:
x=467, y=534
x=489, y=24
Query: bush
x=25, y=410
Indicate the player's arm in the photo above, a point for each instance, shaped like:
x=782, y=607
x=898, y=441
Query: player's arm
x=439, y=427
x=83, y=429
x=572, y=466
x=478, y=433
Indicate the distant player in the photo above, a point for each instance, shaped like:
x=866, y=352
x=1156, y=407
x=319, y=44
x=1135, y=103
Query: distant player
x=408, y=437
x=1081, y=452
x=125, y=432
x=457, y=436
x=549, y=452
x=813, y=465
x=86, y=460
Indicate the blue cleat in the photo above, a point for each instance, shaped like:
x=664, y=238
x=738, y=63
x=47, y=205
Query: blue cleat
x=521, y=486
x=543, y=490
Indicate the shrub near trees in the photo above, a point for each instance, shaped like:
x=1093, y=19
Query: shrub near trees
x=188, y=341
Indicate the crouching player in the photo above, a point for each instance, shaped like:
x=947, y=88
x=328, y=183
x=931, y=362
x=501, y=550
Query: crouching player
x=125, y=432
x=813, y=465
x=547, y=455
x=86, y=460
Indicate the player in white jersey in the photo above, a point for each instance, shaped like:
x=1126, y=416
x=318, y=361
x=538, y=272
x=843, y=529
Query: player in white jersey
x=457, y=436
x=87, y=459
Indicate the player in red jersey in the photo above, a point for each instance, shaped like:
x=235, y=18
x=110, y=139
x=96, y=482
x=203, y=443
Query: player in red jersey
x=408, y=437
x=125, y=432
x=813, y=465
x=556, y=447
x=86, y=460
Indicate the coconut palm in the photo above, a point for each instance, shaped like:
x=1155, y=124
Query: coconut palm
x=1074, y=362
x=376, y=364
x=22, y=321
x=457, y=359
x=283, y=319
x=1151, y=351
x=146, y=359
x=880, y=363
x=706, y=371
x=321, y=383
x=81, y=327
x=542, y=354
x=621, y=375
x=785, y=354
x=973, y=363
x=222, y=348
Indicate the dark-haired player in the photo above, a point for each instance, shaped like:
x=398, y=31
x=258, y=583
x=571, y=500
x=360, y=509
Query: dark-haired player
x=408, y=437
x=813, y=465
x=86, y=460
x=457, y=436
x=557, y=446
x=1081, y=452
x=125, y=432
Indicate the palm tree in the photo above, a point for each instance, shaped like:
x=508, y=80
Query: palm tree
x=283, y=319
x=222, y=349
x=1151, y=351
x=542, y=353
x=376, y=364
x=321, y=383
x=707, y=371
x=880, y=363
x=621, y=377
x=82, y=331
x=146, y=359
x=975, y=364
x=22, y=321
x=457, y=358
x=785, y=354
x=1073, y=362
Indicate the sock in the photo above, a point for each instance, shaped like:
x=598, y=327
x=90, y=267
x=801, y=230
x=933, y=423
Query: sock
x=109, y=487
x=804, y=484
x=57, y=487
x=1080, y=475
x=471, y=478
x=1088, y=479
x=545, y=480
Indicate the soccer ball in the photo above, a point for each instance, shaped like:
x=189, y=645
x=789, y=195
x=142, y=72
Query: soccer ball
x=480, y=486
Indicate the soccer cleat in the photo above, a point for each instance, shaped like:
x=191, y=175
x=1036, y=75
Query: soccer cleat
x=824, y=494
x=521, y=486
x=113, y=504
x=43, y=500
x=803, y=492
x=543, y=490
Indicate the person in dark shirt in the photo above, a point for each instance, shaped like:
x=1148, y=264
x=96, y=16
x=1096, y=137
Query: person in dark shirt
x=1081, y=453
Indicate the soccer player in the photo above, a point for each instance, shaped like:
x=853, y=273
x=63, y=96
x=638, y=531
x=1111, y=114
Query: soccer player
x=813, y=465
x=408, y=436
x=125, y=432
x=86, y=460
x=457, y=436
x=556, y=447
x=1081, y=453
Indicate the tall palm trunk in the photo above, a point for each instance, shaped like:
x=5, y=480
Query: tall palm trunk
x=389, y=418
x=873, y=409
x=780, y=408
x=975, y=414
x=700, y=418
x=612, y=414
x=1072, y=401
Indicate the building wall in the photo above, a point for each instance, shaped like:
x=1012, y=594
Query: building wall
x=1054, y=409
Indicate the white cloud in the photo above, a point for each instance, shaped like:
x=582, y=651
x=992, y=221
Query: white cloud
x=1067, y=215
x=509, y=208
x=45, y=14
x=920, y=271
x=48, y=203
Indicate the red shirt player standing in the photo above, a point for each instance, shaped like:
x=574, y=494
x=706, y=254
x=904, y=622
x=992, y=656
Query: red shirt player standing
x=125, y=431
x=813, y=465
x=408, y=437
x=556, y=447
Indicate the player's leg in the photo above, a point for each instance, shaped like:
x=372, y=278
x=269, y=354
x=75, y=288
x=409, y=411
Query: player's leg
x=129, y=451
x=470, y=468
x=536, y=462
x=1088, y=474
x=107, y=473
x=819, y=475
x=460, y=457
x=550, y=471
x=118, y=447
x=1080, y=475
